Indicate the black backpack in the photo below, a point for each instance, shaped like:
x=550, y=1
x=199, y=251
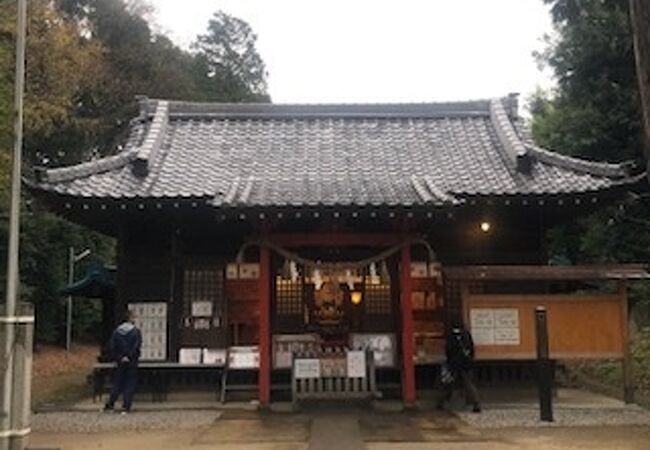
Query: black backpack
x=463, y=346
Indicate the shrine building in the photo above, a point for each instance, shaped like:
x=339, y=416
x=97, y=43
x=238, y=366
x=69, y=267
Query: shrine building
x=252, y=236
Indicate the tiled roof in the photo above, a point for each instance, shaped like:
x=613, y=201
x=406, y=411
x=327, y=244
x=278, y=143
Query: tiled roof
x=239, y=155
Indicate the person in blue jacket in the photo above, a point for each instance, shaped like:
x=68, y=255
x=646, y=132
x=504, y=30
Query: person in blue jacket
x=125, y=345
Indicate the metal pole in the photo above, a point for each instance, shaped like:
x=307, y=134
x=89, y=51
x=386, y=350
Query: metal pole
x=544, y=368
x=14, y=226
x=68, y=320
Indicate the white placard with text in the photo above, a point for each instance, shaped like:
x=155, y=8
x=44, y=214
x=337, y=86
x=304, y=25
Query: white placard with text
x=495, y=326
x=202, y=309
x=481, y=318
x=506, y=336
x=356, y=364
x=506, y=318
x=483, y=336
x=306, y=368
x=151, y=320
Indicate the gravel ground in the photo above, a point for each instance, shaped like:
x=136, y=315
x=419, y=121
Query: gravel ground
x=94, y=422
x=564, y=417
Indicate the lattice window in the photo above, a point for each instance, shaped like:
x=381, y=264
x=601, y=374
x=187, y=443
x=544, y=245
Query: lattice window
x=378, y=298
x=288, y=296
x=203, y=285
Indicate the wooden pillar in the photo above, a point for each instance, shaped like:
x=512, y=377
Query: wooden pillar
x=628, y=382
x=108, y=319
x=264, y=379
x=408, y=367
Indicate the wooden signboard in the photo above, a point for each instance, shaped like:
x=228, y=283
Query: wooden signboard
x=580, y=326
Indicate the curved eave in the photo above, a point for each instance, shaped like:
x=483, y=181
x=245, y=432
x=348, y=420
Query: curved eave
x=68, y=204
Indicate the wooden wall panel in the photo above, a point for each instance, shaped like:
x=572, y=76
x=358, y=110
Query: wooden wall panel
x=243, y=311
x=580, y=326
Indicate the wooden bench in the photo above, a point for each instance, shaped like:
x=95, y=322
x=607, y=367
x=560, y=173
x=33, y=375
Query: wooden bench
x=157, y=376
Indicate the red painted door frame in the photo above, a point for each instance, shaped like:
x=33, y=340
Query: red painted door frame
x=264, y=377
x=333, y=239
x=408, y=366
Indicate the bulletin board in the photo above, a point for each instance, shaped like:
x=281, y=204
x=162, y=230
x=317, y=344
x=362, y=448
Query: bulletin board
x=151, y=320
x=579, y=326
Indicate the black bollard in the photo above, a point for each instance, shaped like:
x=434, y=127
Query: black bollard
x=544, y=367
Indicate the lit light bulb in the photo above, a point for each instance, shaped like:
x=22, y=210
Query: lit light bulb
x=485, y=226
x=356, y=297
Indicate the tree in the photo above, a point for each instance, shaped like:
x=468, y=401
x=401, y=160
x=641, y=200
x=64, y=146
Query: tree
x=640, y=19
x=63, y=71
x=594, y=113
x=86, y=61
x=227, y=62
x=6, y=91
x=140, y=62
x=137, y=62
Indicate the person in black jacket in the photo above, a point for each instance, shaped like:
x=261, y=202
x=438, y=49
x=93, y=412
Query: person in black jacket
x=459, y=349
x=125, y=346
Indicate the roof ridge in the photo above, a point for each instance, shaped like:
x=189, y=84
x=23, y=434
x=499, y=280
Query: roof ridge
x=152, y=142
x=552, y=157
x=176, y=103
x=515, y=150
x=185, y=109
x=420, y=189
x=580, y=165
x=85, y=169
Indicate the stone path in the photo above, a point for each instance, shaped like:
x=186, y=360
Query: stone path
x=346, y=427
x=335, y=430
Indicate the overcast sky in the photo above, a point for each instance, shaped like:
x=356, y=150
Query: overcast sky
x=382, y=50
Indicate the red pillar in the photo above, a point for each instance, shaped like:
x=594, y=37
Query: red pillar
x=264, y=380
x=408, y=367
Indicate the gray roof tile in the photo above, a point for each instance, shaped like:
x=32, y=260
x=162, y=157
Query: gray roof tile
x=279, y=155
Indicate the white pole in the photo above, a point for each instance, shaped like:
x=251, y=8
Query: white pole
x=14, y=225
x=68, y=322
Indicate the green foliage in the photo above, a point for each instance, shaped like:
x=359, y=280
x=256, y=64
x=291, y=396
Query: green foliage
x=135, y=62
x=139, y=62
x=86, y=62
x=610, y=372
x=62, y=69
x=227, y=62
x=595, y=113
